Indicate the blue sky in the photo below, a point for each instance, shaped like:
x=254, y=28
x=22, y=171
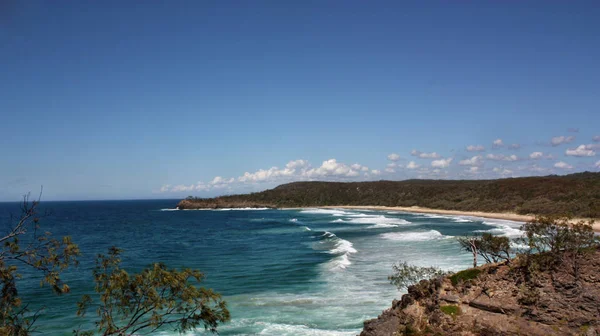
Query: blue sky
x=119, y=100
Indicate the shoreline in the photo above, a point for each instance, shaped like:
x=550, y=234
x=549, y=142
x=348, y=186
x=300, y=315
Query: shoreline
x=416, y=209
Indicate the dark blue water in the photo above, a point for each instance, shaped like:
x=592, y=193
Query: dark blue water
x=283, y=272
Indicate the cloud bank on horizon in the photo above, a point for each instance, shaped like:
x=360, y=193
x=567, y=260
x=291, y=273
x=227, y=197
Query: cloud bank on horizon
x=426, y=165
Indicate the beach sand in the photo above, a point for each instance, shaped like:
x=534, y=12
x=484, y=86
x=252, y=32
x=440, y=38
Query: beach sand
x=496, y=215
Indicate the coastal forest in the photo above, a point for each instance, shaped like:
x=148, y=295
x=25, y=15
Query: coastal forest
x=576, y=195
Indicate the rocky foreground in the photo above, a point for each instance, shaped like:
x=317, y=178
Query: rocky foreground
x=499, y=299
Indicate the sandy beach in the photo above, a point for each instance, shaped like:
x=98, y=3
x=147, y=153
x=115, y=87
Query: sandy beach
x=495, y=215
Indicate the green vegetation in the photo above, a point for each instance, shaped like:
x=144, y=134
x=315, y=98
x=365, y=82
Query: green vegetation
x=465, y=275
x=129, y=304
x=26, y=246
x=575, y=195
x=405, y=275
x=554, y=242
x=491, y=248
x=156, y=297
x=451, y=310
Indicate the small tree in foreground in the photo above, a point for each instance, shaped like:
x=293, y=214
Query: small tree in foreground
x=154, y=298
x=491, y=248
x=406, y=275
x=25, y=246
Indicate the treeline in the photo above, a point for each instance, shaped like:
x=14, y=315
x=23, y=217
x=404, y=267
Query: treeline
x=572, y=195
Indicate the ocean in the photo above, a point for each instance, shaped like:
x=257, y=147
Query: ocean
x=282, y=272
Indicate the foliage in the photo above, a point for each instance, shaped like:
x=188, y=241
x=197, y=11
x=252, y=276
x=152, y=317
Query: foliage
x=24, y=245
x=465, y=275
x=557, y=234
x=406, y=275
x=554, y=241
x=451, y=310
x=575, y=194
x=470, y=244
x=491, y=248
x=156, y=297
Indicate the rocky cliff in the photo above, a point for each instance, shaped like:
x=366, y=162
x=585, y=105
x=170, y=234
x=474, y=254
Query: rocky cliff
x=500, y=299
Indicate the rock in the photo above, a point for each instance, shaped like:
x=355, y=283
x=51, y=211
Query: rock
x=450, y=298
x=487, y=305
x=501, y=301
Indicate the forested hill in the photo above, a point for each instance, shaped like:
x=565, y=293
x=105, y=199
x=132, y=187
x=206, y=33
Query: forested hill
x=576, y=194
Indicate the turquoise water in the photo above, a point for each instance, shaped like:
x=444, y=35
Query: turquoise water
x=282, y=272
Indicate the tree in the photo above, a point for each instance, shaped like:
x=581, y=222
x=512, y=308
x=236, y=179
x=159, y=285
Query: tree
x=555, y=241
x=491, y=248
x=470, y=244
x=154, y=298
x=25, y=245
x=406, y=275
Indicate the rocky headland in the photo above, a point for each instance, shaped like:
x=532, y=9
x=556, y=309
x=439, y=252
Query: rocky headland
x=500, y=299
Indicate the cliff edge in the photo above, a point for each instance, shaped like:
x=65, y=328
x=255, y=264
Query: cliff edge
x=519, y=298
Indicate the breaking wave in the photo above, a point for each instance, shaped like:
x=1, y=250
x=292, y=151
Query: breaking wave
x=413, y=236
x=340, y=247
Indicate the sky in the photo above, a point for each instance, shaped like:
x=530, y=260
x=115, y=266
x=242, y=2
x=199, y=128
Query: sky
x=165, y=99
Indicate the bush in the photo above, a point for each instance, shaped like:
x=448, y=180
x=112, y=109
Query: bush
x=451, y=310
x=556, y=242
x=406, y=275
x=465, y=275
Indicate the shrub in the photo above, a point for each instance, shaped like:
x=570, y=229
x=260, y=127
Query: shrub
x=406, y=275
x=451, y=310
x=465, y=275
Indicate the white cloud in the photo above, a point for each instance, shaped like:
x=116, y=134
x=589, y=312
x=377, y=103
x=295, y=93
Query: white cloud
x=474, y=161
x=563, y=165
x=473, y=170
x=181, y=188
x=497, y=143
x=390, y=170
x=475, y=148
x=412, y=165
x=514, y=146
x=592, y=146
x=432, y=155
x=596, y=138
x=537, y=169
x=359, y=167
x=332, y=168
x=502, y=157
x=582, y=150
x=502, y=171
x=536, y=155
x=296, y=164
x=597, y=165
x=393, y=157
x=559, y=140
x=442, y=163
x=375, y=172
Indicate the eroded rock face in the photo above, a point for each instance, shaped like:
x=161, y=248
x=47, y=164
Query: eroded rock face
x=504, y=299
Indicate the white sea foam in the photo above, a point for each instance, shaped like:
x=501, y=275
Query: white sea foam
x=435, y=216
x=294, y=220
x=413, y=236
x=378, y=220
x=334, y=212
x=281, y=329
x=504, y=228
x=342, y=248
x=307, y=228
x=176, y=209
